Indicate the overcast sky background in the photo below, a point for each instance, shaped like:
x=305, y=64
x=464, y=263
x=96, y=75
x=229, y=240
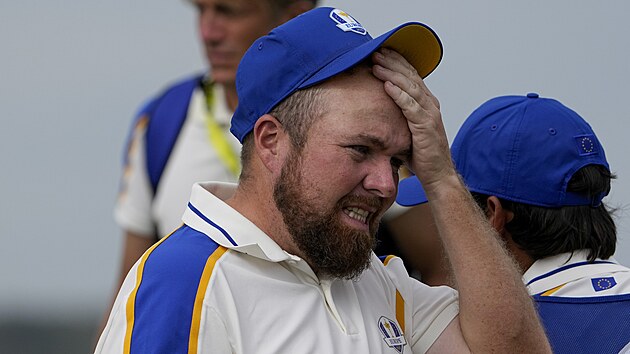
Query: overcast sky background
x=73, y=73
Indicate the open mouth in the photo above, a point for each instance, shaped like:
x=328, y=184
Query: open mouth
x=358, y=214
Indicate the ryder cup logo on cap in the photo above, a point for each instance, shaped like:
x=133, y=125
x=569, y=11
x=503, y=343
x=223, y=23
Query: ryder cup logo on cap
x=524, y=149
x=346, y=22
x=312, y=48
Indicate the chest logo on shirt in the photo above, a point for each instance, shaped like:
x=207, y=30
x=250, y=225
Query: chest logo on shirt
x=392, y=334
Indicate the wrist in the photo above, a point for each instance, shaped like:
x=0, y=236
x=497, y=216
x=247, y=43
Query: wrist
x=445, y=188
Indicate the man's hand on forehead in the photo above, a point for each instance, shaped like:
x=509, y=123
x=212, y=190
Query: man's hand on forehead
x=430, y=159
x=408, y=90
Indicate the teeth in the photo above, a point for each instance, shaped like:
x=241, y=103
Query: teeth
x=358, y=214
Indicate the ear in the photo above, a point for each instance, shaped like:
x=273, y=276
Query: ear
x=497, y=216
x=268, y=137
x=296, y=8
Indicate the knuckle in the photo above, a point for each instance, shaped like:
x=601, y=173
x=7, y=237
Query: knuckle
x=412, y=103
x=436, y=102
x=412, y=71
x=414, y=86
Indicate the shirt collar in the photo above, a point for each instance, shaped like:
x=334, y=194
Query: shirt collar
x=208, y=213
x=556, y=270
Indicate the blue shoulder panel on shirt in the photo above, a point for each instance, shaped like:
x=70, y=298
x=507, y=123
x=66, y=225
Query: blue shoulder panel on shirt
x=166, y=295
x=598, y=324
x=166, y=114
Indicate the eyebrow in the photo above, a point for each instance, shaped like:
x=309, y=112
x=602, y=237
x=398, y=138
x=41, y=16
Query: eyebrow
x=374, y=141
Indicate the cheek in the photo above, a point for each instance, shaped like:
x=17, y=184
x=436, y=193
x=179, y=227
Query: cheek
x=332, y=178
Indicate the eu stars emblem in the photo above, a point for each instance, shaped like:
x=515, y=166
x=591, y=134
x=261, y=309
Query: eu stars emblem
x=586, y=144
x=601, y=284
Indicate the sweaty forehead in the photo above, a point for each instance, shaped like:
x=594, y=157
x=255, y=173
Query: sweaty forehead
x=356, y=107
x=359, y=93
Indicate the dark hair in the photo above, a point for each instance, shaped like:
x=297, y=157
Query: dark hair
x=543, y=232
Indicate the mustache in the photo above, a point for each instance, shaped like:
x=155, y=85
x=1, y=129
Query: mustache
x=377, y=203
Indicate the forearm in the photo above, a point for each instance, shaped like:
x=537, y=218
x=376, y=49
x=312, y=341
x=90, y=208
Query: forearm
x=496, y=313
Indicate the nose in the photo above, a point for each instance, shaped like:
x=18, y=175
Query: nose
x=381, y=179
x=211, y=25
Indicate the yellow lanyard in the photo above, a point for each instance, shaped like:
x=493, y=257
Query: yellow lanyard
x=217, y=137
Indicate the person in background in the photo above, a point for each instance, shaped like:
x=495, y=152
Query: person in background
x=410, y=233
x=539, y=173
x=181, y=135
x=283, y=260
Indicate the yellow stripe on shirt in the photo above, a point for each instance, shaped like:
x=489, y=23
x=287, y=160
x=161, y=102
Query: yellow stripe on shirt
x=400, y=310
x=552, y=290
x=201, y=294
x=400, y=302
x=387, y=259
x=131, y=301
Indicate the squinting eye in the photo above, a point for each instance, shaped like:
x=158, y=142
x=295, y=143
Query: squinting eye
x=360, y=149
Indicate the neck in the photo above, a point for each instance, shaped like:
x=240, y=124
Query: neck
x=253, y=202
x=521, y=257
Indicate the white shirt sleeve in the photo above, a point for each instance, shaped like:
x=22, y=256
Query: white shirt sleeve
x=430, y=308
x=133, y=208
x=213, y=335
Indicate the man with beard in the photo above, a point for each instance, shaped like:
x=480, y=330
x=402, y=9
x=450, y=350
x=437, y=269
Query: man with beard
x=283, y=261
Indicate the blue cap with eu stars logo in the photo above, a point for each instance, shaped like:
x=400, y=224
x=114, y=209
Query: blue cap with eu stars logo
x=313, y=47
x=521, y=148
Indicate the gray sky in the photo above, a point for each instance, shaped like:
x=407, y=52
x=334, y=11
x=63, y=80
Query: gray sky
x=72, y=74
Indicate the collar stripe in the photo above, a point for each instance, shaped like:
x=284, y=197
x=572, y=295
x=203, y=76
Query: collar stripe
x=569, y=266
x=204, y=218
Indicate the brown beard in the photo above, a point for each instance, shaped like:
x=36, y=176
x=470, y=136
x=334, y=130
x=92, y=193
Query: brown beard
x=331, y=248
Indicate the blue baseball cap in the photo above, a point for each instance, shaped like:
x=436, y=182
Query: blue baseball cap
x=410, y=192
x=521, y=148
x=313, y=47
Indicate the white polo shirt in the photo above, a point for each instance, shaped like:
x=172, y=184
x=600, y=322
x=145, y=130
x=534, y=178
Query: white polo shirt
x=221, y=285
x=192, y=159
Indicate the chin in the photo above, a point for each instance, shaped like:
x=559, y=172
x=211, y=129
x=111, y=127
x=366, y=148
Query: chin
x=223, y=76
